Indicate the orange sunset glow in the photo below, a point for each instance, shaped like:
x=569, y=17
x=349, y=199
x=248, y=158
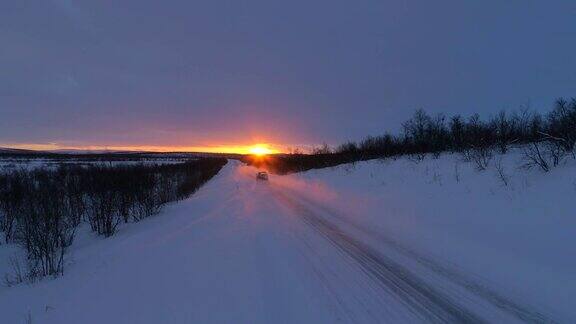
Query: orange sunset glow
x=259, y=149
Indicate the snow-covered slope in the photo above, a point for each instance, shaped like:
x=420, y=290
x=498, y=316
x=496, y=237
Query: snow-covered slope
x=387, y=241
x=519, y=237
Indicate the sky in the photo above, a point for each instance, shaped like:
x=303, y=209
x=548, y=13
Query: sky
x=214, y=74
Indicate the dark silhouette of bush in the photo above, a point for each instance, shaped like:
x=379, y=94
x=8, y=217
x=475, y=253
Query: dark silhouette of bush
x=41, y=209
x=551, y=137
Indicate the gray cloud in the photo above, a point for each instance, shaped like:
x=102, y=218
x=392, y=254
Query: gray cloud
x=191, y=72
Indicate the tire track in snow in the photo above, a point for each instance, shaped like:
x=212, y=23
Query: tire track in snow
x=421, y=298
x=521, y=312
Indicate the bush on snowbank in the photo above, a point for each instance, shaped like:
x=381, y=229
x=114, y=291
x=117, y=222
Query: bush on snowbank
x=41, y=209
x=547, y=140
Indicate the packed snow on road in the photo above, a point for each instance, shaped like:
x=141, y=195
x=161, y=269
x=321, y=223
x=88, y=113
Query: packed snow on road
x=375, y=242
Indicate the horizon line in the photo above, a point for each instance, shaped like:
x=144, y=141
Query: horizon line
x=223, y=149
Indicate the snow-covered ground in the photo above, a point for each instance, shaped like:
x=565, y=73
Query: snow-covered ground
x=392, y=241
x=519, y=238
x=9, y=164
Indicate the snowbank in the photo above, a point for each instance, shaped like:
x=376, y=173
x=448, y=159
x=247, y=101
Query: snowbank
x=519, y=236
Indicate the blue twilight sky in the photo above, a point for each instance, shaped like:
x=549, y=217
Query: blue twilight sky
x=194, y=73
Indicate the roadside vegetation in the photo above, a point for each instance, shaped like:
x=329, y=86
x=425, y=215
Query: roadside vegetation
x=41, y=209
x=546, y=140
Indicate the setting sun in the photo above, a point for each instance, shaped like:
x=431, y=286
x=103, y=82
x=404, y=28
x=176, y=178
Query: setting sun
x=260, y=150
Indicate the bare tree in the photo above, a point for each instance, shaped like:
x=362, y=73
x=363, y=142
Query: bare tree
x=534, y=157
x=481, y=157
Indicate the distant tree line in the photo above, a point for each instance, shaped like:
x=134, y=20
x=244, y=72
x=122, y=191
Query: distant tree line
x=20, y=154
x=40, y=209
x=545, y=139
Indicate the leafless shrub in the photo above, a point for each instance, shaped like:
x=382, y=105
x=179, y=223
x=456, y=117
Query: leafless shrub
x=17, y=276
x=466, y=155
x=103, y=214
x=424, y=134
x=41, y=209
x=416, y=157
x=323, y=149
x=555, y=152
x=562, y=126
x=457, y=172
x=12, y=202
x=481, y=157
x=21, y=272
x=534, y=156
x=45, y=229
x=556, y=148
x=501, y=174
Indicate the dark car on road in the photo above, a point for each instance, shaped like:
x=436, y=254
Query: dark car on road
x=262, y=176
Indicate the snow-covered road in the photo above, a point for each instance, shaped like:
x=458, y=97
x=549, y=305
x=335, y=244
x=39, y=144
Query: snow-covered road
x=247, y=251
x=437, y=300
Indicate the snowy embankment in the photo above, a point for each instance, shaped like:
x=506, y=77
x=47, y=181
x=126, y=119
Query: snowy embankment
x=393, y=241
x=518, y=236
x=9, y=164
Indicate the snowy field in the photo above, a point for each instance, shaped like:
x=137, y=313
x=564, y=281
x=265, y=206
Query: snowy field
x=387, y=242
x=9, y=164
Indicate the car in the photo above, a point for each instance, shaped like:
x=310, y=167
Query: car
x=262, y=176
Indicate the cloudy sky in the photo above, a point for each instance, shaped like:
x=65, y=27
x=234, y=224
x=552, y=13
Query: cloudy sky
x=213, y=72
